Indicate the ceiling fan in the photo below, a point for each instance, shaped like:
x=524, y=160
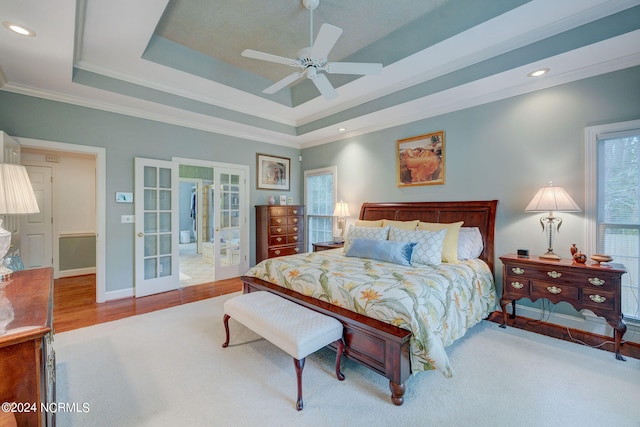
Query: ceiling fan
x=313, y=59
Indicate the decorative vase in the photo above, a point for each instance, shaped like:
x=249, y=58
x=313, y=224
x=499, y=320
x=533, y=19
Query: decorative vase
x=573, y=249
x=6, y=310
x=271, y=200
x=580, y=258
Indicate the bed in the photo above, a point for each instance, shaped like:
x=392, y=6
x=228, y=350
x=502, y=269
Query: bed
x=382, y=344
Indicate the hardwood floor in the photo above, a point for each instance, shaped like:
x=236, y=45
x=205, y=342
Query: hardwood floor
x=75, y=306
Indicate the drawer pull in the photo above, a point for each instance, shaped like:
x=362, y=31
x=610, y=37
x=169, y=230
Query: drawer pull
x=295, y=211
x=277, y=252
x=295, y=228
x=295, y=220
x=278, y=220
x=279, y=239
x=595, y=281
x=554, y=274
x=517, y=270
x=297, y=250
x=554, y=289
x=517, y=285
x=597, y=298
x=295, y=237
x=279, y=230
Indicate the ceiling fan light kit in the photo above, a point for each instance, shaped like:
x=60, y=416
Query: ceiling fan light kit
x=313, y=59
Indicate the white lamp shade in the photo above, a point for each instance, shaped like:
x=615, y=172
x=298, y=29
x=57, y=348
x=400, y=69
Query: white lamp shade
x=16, y=193
x=550, y=199
x=341, y=209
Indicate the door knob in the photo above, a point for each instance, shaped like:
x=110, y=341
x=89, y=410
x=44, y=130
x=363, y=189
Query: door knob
x=140, y=234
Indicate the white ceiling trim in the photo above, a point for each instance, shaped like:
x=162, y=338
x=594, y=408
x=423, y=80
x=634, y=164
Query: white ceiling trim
x=612, y=55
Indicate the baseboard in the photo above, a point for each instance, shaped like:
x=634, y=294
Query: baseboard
x=77, y=272
x=119, y=294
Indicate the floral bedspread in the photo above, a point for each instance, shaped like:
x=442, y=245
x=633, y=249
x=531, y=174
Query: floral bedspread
x=437, y=304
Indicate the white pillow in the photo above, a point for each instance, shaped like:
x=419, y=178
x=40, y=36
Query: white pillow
x=428, y=249
x=469, y=243
x=371, y=233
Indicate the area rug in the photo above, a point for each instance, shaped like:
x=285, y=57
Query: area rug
x=168, y=368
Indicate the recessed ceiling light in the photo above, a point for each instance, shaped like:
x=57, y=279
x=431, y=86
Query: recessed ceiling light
x=23, y=30
x=342, y=129
x=538, y=73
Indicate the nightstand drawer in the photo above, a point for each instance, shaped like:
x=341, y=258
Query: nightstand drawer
x=598, y=300
x=516, y=286
x=554, y=291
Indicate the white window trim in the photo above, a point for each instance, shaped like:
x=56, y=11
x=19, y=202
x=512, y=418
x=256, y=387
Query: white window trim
x=591, y=135
x=320, y=171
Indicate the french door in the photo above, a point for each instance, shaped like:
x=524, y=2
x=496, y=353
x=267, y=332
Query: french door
x=156, y=226
x=229, y=222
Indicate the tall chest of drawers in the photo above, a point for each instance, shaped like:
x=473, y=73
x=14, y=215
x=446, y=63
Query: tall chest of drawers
x=585, y=286
x=279, y=231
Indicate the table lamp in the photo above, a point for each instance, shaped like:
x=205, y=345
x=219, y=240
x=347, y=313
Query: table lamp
x=551, y=199
x=16, y=197
x=341, y=210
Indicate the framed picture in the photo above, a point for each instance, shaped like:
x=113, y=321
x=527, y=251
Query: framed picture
x=273, y=172
x=421, y=160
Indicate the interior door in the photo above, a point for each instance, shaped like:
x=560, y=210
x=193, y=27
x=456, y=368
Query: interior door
x=230, y=222
x=157, y=226
x=36, y=230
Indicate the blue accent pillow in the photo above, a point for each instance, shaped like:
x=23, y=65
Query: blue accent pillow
x=382, y=250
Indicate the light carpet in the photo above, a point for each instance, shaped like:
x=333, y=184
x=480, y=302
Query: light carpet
x=168, y=368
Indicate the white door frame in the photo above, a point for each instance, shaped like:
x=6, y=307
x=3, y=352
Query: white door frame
x=100, y=154
x=245, y=229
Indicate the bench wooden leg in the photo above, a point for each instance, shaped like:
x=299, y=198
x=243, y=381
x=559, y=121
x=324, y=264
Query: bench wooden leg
x=299, y=364
x=339, y=350
x=226, y=329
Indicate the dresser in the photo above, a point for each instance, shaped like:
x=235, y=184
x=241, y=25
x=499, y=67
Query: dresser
x=27, y=359
x=279, y=231
x=585, y=286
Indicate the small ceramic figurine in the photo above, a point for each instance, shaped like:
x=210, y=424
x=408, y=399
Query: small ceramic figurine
x=573, y=249
x=580, y=258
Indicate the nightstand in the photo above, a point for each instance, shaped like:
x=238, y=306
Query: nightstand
x=323, y=246
x=585, y=286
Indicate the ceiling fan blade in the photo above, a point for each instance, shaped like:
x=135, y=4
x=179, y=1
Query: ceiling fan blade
x=284, y=82
x=362, y=68
x=327, y=38
x=324, y=86
x=248, y=53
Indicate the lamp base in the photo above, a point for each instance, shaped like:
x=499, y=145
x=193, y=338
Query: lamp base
x=550, y=255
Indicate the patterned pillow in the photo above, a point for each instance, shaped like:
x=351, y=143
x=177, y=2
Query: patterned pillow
x=470, y=244
x=382, y=250
x=450, y=246
x=373, y=233
x=429, y=244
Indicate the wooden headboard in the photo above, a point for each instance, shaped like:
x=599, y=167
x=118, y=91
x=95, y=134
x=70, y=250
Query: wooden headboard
x=481, y=214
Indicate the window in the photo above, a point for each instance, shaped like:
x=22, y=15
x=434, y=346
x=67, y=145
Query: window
x=613, y=203
x=320, y=196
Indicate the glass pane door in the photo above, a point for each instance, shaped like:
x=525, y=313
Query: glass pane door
x=229, y=220
x=156, y=205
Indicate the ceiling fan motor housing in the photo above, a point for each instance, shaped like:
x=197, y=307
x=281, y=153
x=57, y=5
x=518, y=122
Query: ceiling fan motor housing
x=310, y=4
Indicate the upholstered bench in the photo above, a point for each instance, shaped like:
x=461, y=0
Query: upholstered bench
x=297, y=330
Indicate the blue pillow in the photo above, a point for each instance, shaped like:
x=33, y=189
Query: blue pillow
x=382, y=250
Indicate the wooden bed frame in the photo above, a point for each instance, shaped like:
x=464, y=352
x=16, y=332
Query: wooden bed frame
x=382, y=347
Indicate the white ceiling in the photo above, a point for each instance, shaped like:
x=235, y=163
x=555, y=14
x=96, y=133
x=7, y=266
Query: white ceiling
x=90, y=53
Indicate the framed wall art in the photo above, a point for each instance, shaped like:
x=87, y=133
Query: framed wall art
x=421, y=160
x=273, y=172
